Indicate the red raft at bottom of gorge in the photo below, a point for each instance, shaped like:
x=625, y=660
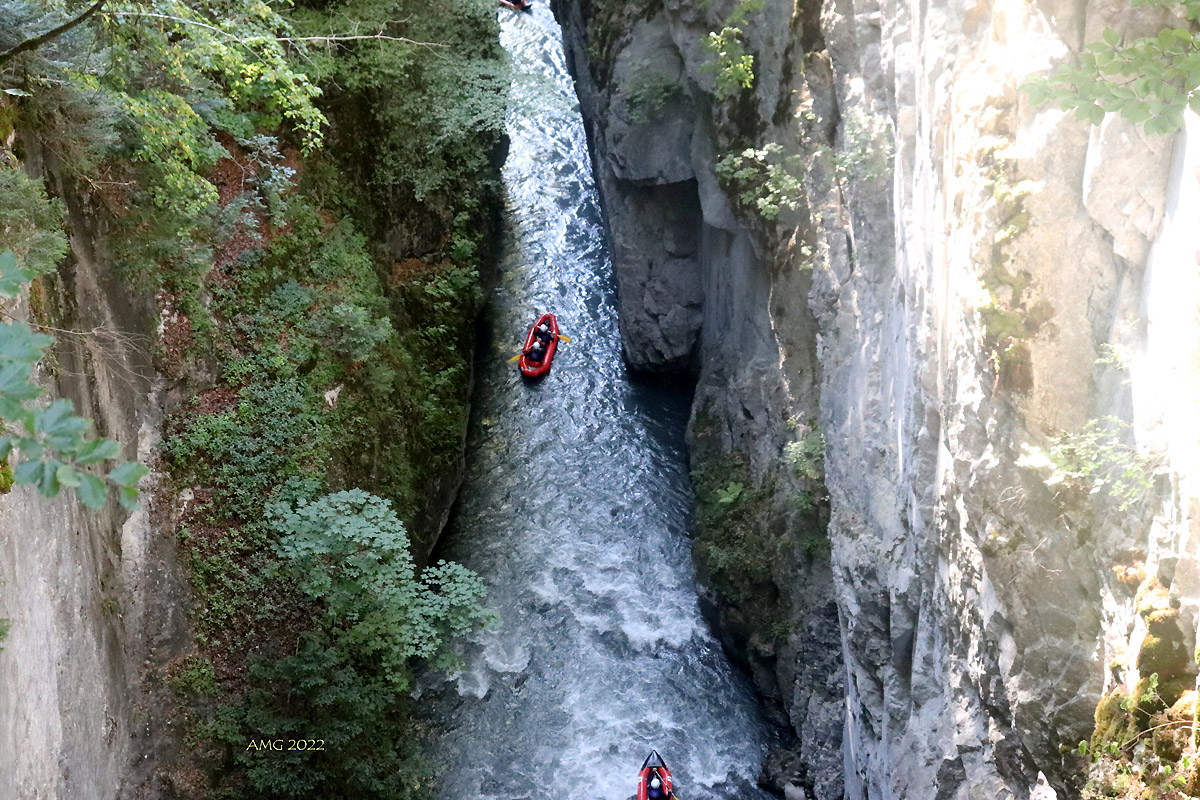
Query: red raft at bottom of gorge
x=536, y=369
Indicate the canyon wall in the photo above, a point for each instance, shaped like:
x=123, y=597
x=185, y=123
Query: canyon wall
x=881, y=242
x=95, y=599
x=99, y=604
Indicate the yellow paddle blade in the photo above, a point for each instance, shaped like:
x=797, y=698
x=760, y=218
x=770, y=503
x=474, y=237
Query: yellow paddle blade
x=562, y=337
x=515, y=359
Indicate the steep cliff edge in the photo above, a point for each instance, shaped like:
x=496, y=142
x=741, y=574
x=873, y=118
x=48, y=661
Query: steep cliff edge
x=262, y=321
x=96, y=599
x=879, y=241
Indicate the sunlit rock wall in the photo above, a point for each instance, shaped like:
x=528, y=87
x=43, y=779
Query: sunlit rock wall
x=963, y=278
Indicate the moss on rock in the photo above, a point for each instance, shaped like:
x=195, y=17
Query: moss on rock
x=1166, y=656
x=1164, y=650
x=1114, y=724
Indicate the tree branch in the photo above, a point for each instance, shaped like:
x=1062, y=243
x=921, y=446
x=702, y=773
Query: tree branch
x=281, y=39
x=38, y=41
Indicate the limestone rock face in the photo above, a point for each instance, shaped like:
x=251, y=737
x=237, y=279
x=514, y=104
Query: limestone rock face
x=96, y=598
x=702, y=289
x=941, y=281
x=642, y=153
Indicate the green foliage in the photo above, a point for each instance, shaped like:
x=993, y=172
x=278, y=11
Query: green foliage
x=195, y=676
x=730, y=493
x=5, y=627
x=348, y=554
x=806, y=457
x=238, y=45
x=434, y=302
x=6, y=477
x=732, y=65
x=1148, y=80
x=144, y=100
x=647, y=97
x=866, y=150
x=324, y=693
x=53, y=450
x=30, y=223
x=764, y=179
x=433, y=111
x=184, y=121
x=355, y=332
x=768, y=181
x=815, y=546
x=1096, y=460
x=731, y=543
x=272, y=433
x=175, y=142
x=1142, y=745
x=1150, y=691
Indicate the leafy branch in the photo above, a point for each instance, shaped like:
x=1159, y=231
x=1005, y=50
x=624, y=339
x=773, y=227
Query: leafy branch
x=35, y=42
x=53, y=450
x=1149, y=80
x=1095, y=460
x=765, y=180
x=248, y=42
x=734, y=67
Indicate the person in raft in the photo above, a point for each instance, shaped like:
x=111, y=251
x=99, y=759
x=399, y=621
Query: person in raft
x=535, y=352
x=656, y=790
x=543, y=334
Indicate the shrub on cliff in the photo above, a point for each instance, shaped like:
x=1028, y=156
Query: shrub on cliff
x=348, y=554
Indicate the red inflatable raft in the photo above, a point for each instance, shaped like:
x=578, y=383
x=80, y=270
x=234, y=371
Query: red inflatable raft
x=517, y=5
x=536, y=369
x=653, y=767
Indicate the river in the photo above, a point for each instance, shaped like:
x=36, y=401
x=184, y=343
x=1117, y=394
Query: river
x=575, y=510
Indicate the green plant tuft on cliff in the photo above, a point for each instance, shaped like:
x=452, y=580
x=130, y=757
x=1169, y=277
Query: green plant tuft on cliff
x=866, y=151
x=647, y=97
x=1149, y=80
x=1096, y=460
x=195, y=676
x=732, y=66
x=764, y=179
x=730, y=493
x=806, y=456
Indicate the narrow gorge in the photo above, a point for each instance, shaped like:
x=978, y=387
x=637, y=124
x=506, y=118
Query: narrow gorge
x=879, y=257
x=868, y=471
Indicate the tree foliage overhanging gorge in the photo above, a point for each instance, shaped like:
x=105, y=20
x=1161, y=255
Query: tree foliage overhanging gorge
x=305, y=190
